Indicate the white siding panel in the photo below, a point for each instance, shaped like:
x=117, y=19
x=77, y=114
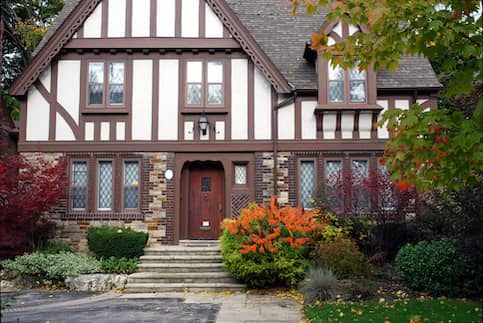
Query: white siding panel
x=141, y=18
x=401, y=104
x=382, y=132
x=190, y=18
x=365, y=125
x=168, y=103
x=120, y=130
x=239, y=99
x=142, y=99
x=213, y=25
x=353, y=29
x=347, y=125
x=62, y=130
x=165, y=18
x=309, y=121
x=329, y=125
x=93, y=24
x=188, y=130
x=263, y=106
x=38, y=110
x=220, y=130
x=286, y=122
x=89, y=131
x=68, y=87
x=116, y=26
x=338, y=29
x=105, y=128
x=45, y=78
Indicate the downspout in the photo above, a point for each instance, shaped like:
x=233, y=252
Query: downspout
x=282, y=104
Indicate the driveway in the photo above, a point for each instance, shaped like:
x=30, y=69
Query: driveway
x=64, y=306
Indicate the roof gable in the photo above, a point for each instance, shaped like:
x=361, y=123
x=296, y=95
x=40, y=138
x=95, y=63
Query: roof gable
x=75, y=12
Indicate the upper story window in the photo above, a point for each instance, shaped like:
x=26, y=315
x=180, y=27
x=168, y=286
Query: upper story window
x=204, y=83
x=106, y=84
x=346, y=86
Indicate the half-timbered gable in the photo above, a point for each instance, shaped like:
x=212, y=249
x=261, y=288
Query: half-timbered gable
x=176, y=113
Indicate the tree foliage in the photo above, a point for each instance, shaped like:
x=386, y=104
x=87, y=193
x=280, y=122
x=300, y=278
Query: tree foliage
x=27, y=189
x=427, y=149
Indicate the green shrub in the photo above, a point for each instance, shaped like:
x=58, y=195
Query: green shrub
x=113, y=265
x=438, y=267
x=53, y=267
x=318, y=285
x=108, y=242
x=358, y=289
x=344, y=258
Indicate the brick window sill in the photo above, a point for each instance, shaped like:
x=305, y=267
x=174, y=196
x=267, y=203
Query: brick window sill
x=103, y=216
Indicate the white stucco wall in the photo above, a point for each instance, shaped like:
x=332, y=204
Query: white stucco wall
x=68, y=87
x=190, y=18
x=263, y=106
x=165, y=18
x=168, y=99
x=38, y=110
x=142, y=99
x=141, y=18
x=239, y=99
x=116, y=20
x=63, y=131
x=286, y=122
x=308, y=120
x=93, y=24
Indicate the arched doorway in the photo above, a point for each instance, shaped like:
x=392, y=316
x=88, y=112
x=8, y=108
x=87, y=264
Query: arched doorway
x=203, y=196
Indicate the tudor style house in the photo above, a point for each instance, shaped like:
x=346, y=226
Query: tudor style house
x=174, y=114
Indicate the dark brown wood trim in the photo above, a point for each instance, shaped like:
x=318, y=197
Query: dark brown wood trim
x=251, y=100
x=129, y=18
x=52, y=98
x=177, y=19
x=154, y=43
x=153, y=23
x=97, y=131
x=298, y=118
x=202, y=20
x=355, y=133
x=112, y=130
x=181, y=95
x=227, y=97
x=23, y=120
x=338, y=126
x=203, y=146
x=155, y=102
x=105, y=17
x=129, y=86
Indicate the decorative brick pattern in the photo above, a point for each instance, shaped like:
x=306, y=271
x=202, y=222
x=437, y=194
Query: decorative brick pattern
x=238, y=202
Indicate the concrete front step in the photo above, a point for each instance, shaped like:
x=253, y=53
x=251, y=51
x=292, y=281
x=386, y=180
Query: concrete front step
x=190, y=277
x=181, y=250
x=174, y=267
x=199, y=243
x=180, y=287
x=181, y=258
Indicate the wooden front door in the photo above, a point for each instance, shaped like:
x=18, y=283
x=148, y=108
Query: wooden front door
x=205, y=202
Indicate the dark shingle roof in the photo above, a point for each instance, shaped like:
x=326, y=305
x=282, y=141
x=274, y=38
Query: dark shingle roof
x=282, y=37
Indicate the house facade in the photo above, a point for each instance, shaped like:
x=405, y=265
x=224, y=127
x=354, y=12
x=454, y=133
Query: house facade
x=174, y=114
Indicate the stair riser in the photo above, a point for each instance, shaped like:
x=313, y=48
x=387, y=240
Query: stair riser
x=180, y=253
x=180, y=270
x=184, y=261
x=182, y=280
x=180, y=289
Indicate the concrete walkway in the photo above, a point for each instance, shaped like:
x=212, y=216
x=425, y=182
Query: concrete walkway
x=62, y=306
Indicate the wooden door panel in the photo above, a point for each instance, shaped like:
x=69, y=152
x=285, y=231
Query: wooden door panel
x=205, y=203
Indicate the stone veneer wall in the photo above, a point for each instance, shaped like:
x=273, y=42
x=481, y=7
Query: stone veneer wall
x=156, y=214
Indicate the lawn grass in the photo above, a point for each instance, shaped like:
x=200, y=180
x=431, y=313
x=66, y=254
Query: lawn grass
x=417, y=310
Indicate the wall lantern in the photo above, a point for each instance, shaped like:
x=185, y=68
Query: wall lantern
x=204, y=123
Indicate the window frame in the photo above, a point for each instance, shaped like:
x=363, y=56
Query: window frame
x=204, y=86
x=346, y=81
x=368, y=207
x=123, y=169
x=244, y=164
x=113, y=184
x=299, y=179
x=105, y=107
x=70, y=195
x=326, y=178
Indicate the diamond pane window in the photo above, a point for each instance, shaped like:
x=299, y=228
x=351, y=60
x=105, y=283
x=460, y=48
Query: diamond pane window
x=357, y=85
x=215, y=82
x=105, y=182
x=333, y=176
x=336, y=91
x=240, y=174
x=387, y=198
x=193, y=93
x=96, y=83
x=307, y=183
x=215, y=94
x=116, y=83
x=360, y=195
x=336, y=73
x=131, y=185
x=79, y=185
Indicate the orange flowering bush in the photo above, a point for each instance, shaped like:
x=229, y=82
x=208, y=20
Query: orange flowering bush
x=266, y=244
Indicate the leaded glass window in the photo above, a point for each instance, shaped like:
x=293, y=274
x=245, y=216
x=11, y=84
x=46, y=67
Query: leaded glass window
x=215, y=82
x=307, y=183
x=104, y=187
x=360, y=194
x=387, y=199
x=357, y=85
x=79, y=185
x=194, y=82
x=116, y=83
x=336, y=84
x=334, y=184
x=131, y=185
x=96, y=83
x=240, y=174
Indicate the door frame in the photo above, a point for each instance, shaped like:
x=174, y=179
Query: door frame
x=227, y=160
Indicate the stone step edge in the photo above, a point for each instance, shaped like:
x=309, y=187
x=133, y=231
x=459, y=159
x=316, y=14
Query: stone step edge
x=182, y=264
x=189, y=257
x=183, y=285
x=154, y=275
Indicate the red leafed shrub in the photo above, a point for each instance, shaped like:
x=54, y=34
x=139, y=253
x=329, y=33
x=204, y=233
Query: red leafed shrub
x=27, y=189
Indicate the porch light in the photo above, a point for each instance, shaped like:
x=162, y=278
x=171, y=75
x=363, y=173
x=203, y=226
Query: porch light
x=203, y=122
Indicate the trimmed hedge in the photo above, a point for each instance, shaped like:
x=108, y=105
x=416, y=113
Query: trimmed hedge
x=117, y=242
